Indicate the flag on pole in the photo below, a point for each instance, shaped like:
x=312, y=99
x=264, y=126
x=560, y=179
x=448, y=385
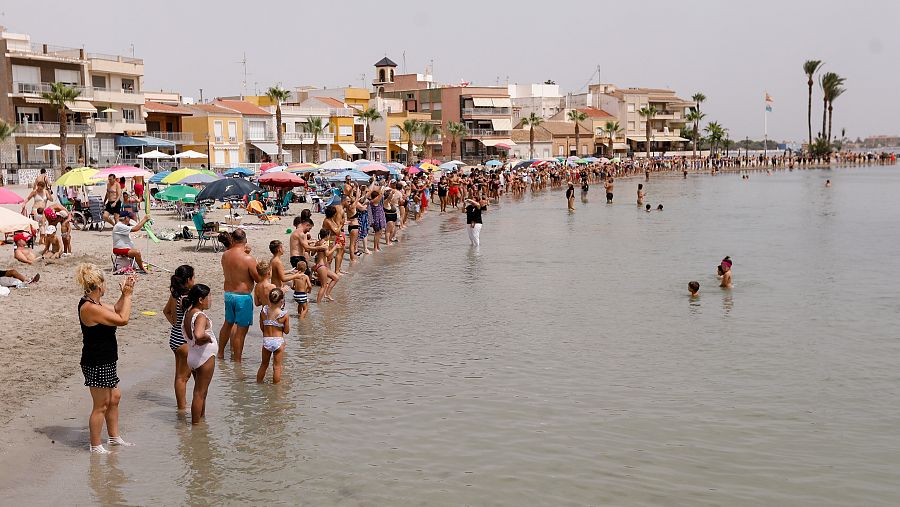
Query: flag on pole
x=769, y=102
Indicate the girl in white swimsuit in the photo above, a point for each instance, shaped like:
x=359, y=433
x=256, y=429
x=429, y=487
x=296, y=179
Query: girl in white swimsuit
x=274, y=324
x=202, y=347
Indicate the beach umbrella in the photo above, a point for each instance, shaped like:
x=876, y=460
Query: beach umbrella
x=198, y=179
x=354, y=175
x=432, y=161
x=127, y=171
x=178, y=193
x=239, y=171
x=180, y=174
x=616, y=160
x=361, y=161
x=154, y=154
x=493, y=163
x=413, y=170
x=158, y=177
x=227, y=189
x=274, y=168
x=10, y=221
x=502, y=146
x=428, y=166
x=77, y=178
x=302, y=165
x=592, y=159
x=9, y=197
x=449, y=166
x=304, y=170
x=582, y=161
x=267, y=165
x=376, y=169
x=48, y=147
x=189, y=154
x=525, y=163
x=281, y=179
x=338, y=164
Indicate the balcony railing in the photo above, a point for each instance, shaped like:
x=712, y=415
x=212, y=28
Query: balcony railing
x=488, y=133
x=175, y=137
x=115, y=58
x=48, y=50
x=268, y=135
x=38, y=88
x=51, y=129
x=486, y=111
x=307, y=138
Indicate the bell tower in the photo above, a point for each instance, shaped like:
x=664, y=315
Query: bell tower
x=384, y=74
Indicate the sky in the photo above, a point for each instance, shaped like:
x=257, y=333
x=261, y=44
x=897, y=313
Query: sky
x=733, y=52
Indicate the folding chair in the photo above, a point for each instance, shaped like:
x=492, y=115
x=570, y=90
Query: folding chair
x=122, y=265
x=204, y=233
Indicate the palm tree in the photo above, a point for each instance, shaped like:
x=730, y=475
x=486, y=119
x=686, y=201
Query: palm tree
x=314, y=126
x=410, y=127
x=428, y=130
x=696, y=117
x=650, y=112
x=612, y=128
x=278, y=95
x=371, y=114
x=533, y=120
x=455, y=130
x=715, y=135
x=832, y=88
x=6, y=131
x=829, y=82
x=578, y=117
x=810, y=67
x=698, y=99
x=60, y=96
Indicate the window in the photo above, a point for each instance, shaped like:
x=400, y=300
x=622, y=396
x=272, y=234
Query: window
x=219, y=157
x=232, y=131
x=26, y=78
x=426, y=106
x=257, y=130
x=233, y=155
x=562, y=150
x=584, y=149
x=98, y=82
x=128, y=85
x=546, y=152
x=35, y=155
x=217, y=130
x=395, y=133
x=69, y=77
x=437, y=106
x=345, y=130
x=128, y=115
x=631, y=125
x=28, y=114
x=643, y=125
x=107, y=147
x=71, y=157
x=630, y=108
x=381, y=75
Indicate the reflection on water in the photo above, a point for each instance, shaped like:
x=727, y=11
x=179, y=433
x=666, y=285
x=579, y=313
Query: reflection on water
x=560, y=365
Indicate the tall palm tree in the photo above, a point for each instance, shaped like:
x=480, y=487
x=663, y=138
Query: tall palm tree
x=428, y=130
x=456, y=130
x=650, y=112
x=6, y=131
x=695, y=116
x=715, y=134
x=60, y=96
x=810, y=67
x=578, y=117
x=532, y=120
x=410, y=127
x=612, y=128
x=828, y=82
x=278, y=95
x=835, y=90
x=698, y=99
x=315, y=127
x=371, y=114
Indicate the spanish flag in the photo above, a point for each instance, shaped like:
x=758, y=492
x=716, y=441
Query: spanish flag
x=769, y=101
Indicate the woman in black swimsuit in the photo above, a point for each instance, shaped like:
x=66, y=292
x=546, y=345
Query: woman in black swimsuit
x=442, y=193
x=353, y=209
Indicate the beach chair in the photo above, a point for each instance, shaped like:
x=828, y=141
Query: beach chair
x=122, y=265
x=94, y=214
x=283, y=207
x=255, y=208
x=204, y=233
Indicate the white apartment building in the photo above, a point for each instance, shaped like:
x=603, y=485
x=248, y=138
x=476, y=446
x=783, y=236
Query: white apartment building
x=541, y=99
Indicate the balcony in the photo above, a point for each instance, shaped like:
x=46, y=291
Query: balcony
x=46, y=51
x=175, y=137
x=36, y=89
x=118, y=126
x=306, y=138
x=260, y=135
x=51, y=129
x=487, y=133
x=117, y=96
x=486, y=111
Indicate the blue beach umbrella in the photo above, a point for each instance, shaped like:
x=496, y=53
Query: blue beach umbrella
x=354, y=175
x=239, y=171
x=158, y=177
x=493, y=163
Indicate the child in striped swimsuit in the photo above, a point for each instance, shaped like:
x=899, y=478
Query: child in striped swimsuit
x=302, y=287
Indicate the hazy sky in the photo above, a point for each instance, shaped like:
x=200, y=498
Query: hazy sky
x=732, y=51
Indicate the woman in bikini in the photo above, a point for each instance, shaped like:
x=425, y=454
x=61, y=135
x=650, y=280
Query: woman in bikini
x=334, y=224
x=363, y=218
x=327, y=278
x=274, y=324
x=353, y=208
x=202, y=347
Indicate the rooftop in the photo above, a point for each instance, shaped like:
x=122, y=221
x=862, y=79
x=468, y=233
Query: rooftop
x=158, y=107
x=214, y=109
x=330, y=102
x=242, y=107
x=594, y=113
x=385, y=62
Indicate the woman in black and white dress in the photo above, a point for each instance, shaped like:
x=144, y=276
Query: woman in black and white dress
x=99, y=352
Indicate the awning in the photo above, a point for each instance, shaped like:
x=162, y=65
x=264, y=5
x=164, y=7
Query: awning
x=403, y=147
x=495, y=142
x=501, y=123
x=128, y=141
x=658, y=139
x=482, y=102
x=620, y=147
x=502, y=102
x=350, y=149
x=36, y=100
x=80, y=106
x=269, y=148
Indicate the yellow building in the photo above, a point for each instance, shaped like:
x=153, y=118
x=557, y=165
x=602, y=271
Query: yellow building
x=357, y=98
x=397, y=139
x=217, y=130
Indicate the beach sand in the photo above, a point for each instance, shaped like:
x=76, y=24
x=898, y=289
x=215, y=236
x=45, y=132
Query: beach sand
x=41, y=347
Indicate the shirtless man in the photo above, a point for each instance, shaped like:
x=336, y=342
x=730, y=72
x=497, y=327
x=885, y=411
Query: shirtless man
x=609, y=190
x=112, y=202
x=300, y=244
x=240, y=272
x=23, y=254
x=726, y=273
x=279, y=277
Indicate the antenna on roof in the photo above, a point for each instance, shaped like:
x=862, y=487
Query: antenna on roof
x=404, y=61
x=244, y=81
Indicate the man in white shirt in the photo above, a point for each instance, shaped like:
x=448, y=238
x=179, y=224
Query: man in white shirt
x=121, y=234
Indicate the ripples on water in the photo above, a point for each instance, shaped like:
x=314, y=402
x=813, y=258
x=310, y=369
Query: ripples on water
x=564, y=364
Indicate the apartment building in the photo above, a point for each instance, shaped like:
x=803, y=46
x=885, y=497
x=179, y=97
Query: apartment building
x=258, y=127
x=541, y=99
x=218, y=132
x=596, y=121
x=109, y=106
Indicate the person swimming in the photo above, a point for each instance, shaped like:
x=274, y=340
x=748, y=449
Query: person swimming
x=694, y=288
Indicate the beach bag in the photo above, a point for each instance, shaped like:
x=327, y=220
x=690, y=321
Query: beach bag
x=186, y=233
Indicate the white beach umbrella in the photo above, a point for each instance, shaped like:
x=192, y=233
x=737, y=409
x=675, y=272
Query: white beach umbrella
x=154, y=154
x=10, y=221
x=337, y=164
x=190, y=154
x=48, y=147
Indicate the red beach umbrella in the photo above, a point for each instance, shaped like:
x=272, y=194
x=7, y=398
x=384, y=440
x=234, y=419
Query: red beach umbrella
x=281, y=179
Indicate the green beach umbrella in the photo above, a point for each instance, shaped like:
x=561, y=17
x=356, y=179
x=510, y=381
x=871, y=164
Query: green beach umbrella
x=181, y=193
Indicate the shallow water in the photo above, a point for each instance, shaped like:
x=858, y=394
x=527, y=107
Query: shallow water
x=564, y=364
